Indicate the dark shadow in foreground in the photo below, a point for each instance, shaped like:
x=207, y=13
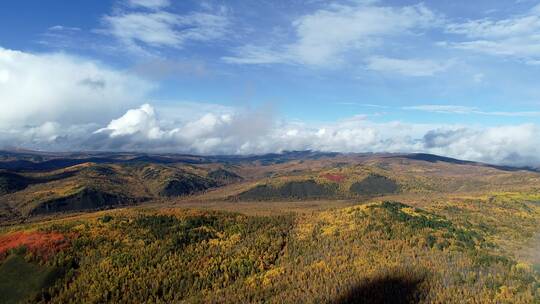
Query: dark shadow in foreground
x=384, y=290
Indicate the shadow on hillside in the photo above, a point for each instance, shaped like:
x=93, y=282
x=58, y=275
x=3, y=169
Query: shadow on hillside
x=384, y=290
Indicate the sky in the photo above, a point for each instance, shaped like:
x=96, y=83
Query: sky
x=455, y=78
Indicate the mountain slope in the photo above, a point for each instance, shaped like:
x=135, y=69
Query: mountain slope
x=118, y=179
x=90, y=186
x=382, y=251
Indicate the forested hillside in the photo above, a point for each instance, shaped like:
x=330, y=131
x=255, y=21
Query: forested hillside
x=443, y=254
x=328, y=229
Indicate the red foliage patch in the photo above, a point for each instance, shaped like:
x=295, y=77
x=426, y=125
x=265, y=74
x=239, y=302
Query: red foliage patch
x=338, y=178
x=43, y=244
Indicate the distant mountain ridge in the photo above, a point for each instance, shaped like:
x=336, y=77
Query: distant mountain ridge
x=37, y=161
x=44, y=183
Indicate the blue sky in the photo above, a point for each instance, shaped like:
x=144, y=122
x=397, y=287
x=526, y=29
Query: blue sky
x=303, y=66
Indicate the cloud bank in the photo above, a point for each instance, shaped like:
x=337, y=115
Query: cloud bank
x=63, y=102
x=258, y=132
x=238, y=131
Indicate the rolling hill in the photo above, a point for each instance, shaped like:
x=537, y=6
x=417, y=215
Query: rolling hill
x=320, y=227
x=51, y=183
x=89, y=185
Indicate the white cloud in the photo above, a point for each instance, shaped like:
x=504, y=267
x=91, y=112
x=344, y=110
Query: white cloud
x=240, y=132
x=209, y=130
x=158, y=27
x=513, y=145
x=141, y=120
x=63, y=28
x=324, y=37
x=237, y=132
x=155, y=29
x=516, y=36
x=184, y=129
x=151, y=4
x=51, y=136
x=40, y=88
x=407, y=67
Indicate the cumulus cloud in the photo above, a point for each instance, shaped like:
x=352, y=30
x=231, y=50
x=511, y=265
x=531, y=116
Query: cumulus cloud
x=514, y=37
x=325, y=36
x=40, y=88
x=241, y=132
x=89, y=106
x=210, y=132
x=257, y=131
x=141, y=120
x=204, y=129
x=156, y=27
